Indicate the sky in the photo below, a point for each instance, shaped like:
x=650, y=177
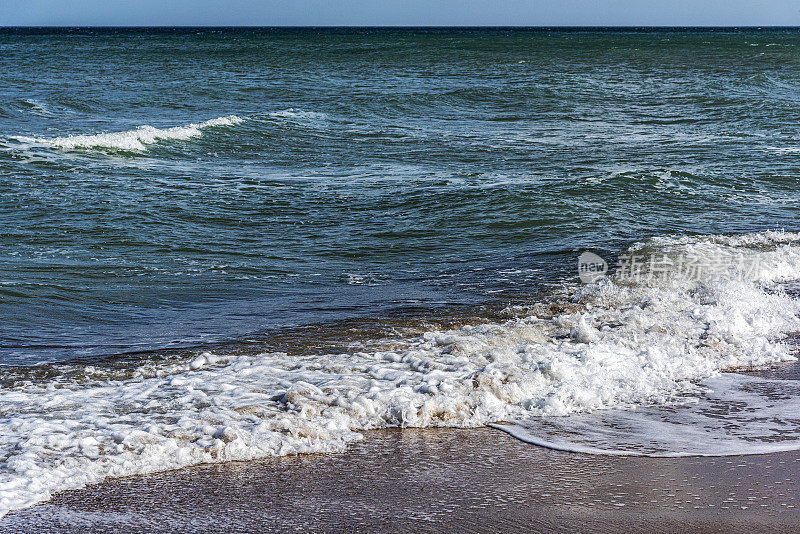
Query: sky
x=399, y=13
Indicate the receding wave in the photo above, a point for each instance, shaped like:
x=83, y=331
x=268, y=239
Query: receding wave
x=132, y=140
x=614, y=343
x=735, y=414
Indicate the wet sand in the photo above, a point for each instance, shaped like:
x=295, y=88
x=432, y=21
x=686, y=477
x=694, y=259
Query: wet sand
x=478, y=480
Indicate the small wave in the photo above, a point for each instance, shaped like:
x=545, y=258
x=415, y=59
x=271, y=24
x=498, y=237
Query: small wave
x=36, y=108
x=356, y=279
x=737, y=414
x=131, y=140
x=292, y=113
x=609, y=344
x=784, y=149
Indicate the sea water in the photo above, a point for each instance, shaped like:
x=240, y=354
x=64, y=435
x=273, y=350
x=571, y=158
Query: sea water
x=229, y=244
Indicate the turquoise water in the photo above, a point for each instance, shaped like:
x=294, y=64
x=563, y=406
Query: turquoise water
x=372, y=172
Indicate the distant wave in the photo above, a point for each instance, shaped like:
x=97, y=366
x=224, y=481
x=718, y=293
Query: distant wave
x=132, y=140
x=292, y=113
x=35, y=107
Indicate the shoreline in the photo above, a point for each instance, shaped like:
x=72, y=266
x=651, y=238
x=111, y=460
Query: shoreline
x=437, y=479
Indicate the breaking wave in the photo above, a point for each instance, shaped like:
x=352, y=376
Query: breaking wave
x=131, y=140
x=611, y=344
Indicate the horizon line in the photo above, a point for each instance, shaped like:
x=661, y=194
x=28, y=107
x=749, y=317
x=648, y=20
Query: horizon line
x=403, y=26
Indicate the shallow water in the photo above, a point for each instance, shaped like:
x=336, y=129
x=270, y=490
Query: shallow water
x=736, y=414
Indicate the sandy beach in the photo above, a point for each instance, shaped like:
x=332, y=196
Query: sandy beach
x=478, y=480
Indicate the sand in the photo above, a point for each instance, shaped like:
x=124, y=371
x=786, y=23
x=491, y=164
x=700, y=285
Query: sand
x=478, y=480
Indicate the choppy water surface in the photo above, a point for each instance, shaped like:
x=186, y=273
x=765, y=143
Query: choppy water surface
x=347, y=189
x=367, y=170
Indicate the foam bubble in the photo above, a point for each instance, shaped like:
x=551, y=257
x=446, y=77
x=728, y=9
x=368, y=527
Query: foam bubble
x=604, y=345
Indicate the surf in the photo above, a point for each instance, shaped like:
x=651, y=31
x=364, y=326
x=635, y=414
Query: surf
x=602, y=347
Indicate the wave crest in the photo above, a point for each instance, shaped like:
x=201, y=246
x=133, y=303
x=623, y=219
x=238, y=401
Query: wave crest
x=135, y=140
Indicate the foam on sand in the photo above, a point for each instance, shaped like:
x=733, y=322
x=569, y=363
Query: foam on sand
x=608, y=344
x=736, y=414
x=132, y=140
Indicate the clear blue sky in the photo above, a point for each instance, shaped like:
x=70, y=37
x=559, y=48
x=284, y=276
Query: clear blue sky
x=399, y=12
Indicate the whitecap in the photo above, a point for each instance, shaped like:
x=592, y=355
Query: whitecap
x=131, y=140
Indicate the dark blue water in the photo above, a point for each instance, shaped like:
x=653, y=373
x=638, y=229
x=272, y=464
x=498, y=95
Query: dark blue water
x=372, y=171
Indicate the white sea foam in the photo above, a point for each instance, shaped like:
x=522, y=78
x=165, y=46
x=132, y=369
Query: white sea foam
x=602, y=346
x=736, y=414
x=131, y=140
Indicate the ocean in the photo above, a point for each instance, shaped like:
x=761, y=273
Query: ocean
x=227, y=244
